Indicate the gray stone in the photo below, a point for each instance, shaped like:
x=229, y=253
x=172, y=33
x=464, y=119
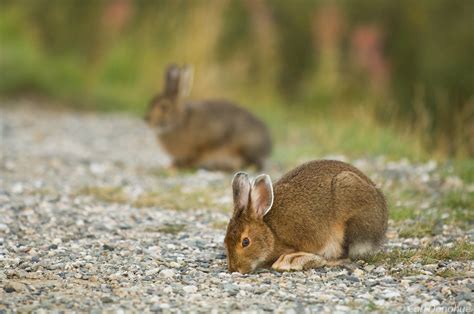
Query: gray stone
x=167, y=273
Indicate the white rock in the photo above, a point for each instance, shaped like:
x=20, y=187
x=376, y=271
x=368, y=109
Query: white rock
x=389, y=294
x=167, y=273
x=369, y=268
x=17, y=188
x=154, y=251
x=151, y=272
x=405, y=283
x=379, y=302
x=343, y=308
x=358, y=273
x=431, y=267
x=164, y=306
x=190, y=289
x=367, y=296
x=432, y=303
x=97, y=168
x=380, y=270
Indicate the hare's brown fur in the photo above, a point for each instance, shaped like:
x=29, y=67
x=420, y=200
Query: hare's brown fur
x=321, y=198
x=327, y=208
x=213, y=134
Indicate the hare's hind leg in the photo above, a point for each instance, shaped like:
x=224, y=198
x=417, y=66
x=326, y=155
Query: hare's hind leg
x=220, y=159
x=257, y=163
x=365, y=208
x=302, y=261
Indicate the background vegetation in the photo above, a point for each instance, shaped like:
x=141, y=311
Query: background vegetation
x=352, y=77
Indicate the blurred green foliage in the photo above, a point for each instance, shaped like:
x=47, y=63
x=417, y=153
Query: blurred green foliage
x=406, y=64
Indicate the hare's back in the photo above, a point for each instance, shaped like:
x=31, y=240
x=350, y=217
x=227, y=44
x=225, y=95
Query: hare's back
x=313, y=173
x=220, y=110
x=306, y=191
x=229, y=123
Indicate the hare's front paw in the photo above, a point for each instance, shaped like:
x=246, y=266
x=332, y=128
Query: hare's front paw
x=298, y=261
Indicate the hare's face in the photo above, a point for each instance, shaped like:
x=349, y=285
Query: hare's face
x=249, y=245
x=249, y=241
x=162, y=113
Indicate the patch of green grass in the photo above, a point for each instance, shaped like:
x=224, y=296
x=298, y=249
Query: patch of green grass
x=464, y=217
x=403, y=213
x=105, y=194
x=44, y=191
x=391, y=258
x=465, y=169
x=449, y=273
x=461, y=251
x=417, y=230
x=413, y=222
x=171, y=228
x=403, y=204
x=405, y=272
x=372, y=307
x=408, y=217
x=310, y=135
x=169, y=198
x=175, y=199
x=460, y=206
x=152, y=200
x=458, y=199
x=220, y=225
x=165, y=172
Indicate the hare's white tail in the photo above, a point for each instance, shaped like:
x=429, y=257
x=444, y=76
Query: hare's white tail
x=361, y=248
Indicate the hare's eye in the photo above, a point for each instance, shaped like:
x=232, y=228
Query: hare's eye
x=245, y=242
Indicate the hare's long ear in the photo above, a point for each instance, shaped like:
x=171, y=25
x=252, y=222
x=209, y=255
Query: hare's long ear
x=261, y=196
x=241, y=192
x=186, y=81
x=172, y=80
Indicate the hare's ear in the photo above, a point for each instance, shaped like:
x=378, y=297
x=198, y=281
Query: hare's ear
x=241, y=192
x=261, y=196
x=186, y=81
x=172, y=80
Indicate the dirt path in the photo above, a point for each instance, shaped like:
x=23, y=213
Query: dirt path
x=91, y=219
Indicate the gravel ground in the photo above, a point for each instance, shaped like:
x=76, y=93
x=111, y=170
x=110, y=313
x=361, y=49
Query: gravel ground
x=91, y=220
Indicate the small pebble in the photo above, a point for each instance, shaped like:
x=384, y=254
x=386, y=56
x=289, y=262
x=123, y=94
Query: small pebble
x=167, y=273
x=190, y=289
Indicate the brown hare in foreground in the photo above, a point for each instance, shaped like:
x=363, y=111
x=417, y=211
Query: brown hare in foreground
x=315, y=215
x=213, y=134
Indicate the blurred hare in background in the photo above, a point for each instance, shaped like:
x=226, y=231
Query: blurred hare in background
x=209, y=134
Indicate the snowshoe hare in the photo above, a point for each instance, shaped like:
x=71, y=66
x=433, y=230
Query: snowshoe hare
x=213, y=134
x=317, y=214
